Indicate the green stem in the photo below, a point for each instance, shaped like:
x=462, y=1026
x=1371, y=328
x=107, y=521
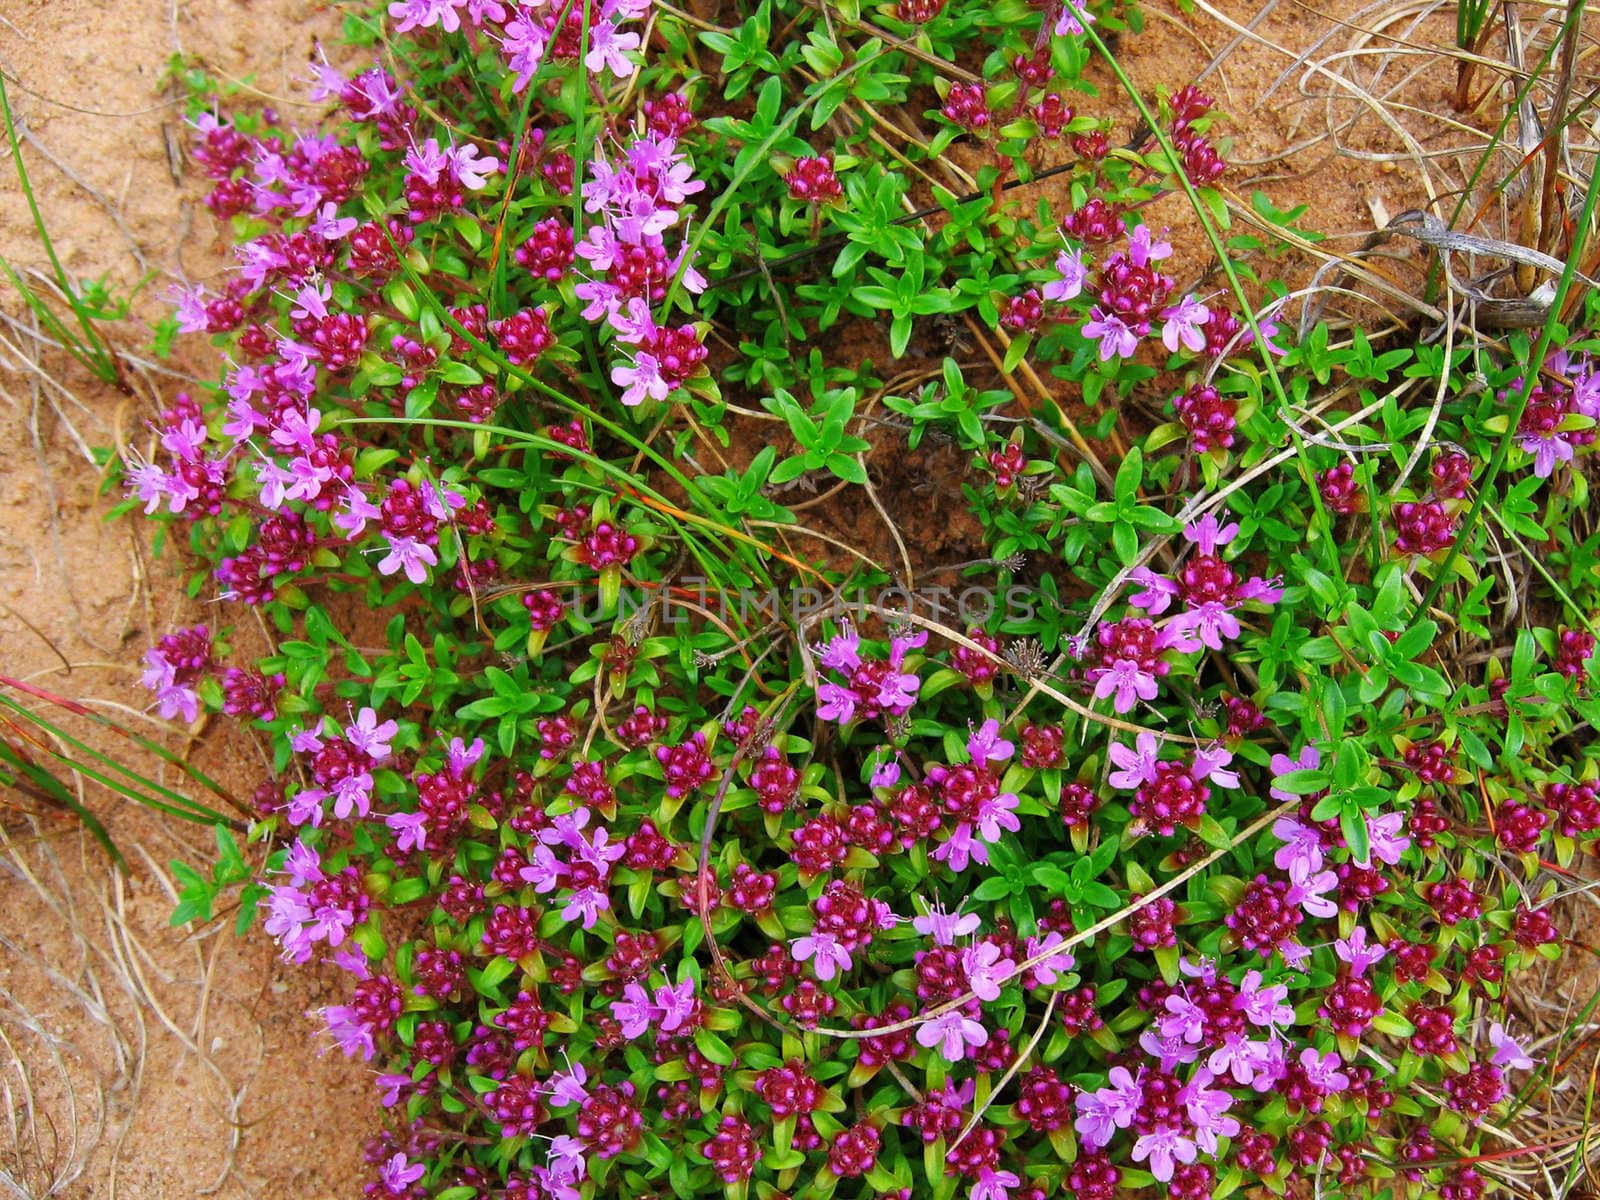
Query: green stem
x=1530, y=377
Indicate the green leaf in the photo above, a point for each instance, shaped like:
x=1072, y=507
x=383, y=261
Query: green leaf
x=1213, y=834
x=1353, y=824
x=1099, y=895
x=492, y=976
x=994, y=888
x=713, y=1047
x=1303, y=782
x=461, y=374
x=847, y=468
x=1129, y=475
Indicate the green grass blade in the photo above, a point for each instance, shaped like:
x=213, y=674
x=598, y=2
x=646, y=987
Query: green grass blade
x=27, y=776
x=105, y=364
x=165, y=799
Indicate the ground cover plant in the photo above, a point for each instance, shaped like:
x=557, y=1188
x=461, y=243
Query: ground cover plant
x=1192, y=840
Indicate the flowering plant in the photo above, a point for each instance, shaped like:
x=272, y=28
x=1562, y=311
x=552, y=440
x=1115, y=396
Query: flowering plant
x=1211, y=869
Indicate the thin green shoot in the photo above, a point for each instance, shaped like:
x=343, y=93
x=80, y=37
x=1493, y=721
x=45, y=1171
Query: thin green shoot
x=19, y=773
x=1472, y=19
x=116, y=777
x=1220, y=249
x=1530, y=376
x=91, y=349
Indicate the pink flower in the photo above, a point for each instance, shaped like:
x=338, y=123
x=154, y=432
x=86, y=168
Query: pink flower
x=399, y=1173
x=1144, y=250
x=173, y=699
x=986, y=970
x=1158, y=592
x=1355, y=951
x=1264, y=1064
x=1072, y=19
x=586, y=902
x=945, y=927
x=902, y=644
x=1116, y=339
x=189, y=307
x=1322, y=1070
x=1164, y=1146
x=1385, y=841
x=1264, y=1004
x=1184, y=324
x=952, y=1033
x=1233, y=1056
x=828, y=957
x=640, y=379
x=331, y=227
x=544, y=871
x=995, y=814
x=1057, y=964
x=426, y=161
x=1310, y=890
x=676, y=1004
x=992, y=1184
x=961, y=849
x=1268, y=324
x=311, y=301
x=1508, y=1052
x=393, y=1087
x=1209, y=764
x=987, y=746
x=303, y=864
x=634, y=1011
x=1128, y=682
x=1208, y=1110
x=898, y=692
x=885, y=775
x=1301, y=843
x=842, y=652
x=1137, y=766
x=1073, y=274
x=567, y=1087
x=1170, y=1053
x=350, y=1032
x=409, y=555
x=369, y=737
x=566, y=828
x=462, y=757
x=353, y=793
x=1185, y=1020
x=606, y=49
x=358, y=510
x=1104, y=1111
x=1586, y=393
x=412, y=829
x=1548, y=449
x=567, y=1161
x=287, y=914
x=835, y=703
x=472, y=171
x=305, y=805
x=1209, y=624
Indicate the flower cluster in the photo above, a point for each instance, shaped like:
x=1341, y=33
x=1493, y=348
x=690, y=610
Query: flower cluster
x=1210, y=870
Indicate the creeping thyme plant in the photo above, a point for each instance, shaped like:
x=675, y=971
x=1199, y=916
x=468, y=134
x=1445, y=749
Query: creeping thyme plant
x=1208, y=857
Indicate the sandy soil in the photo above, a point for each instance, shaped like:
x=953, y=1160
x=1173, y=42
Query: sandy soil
x=140, y=1061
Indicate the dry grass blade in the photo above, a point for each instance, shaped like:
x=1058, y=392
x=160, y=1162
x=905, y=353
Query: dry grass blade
x=63, y=1083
